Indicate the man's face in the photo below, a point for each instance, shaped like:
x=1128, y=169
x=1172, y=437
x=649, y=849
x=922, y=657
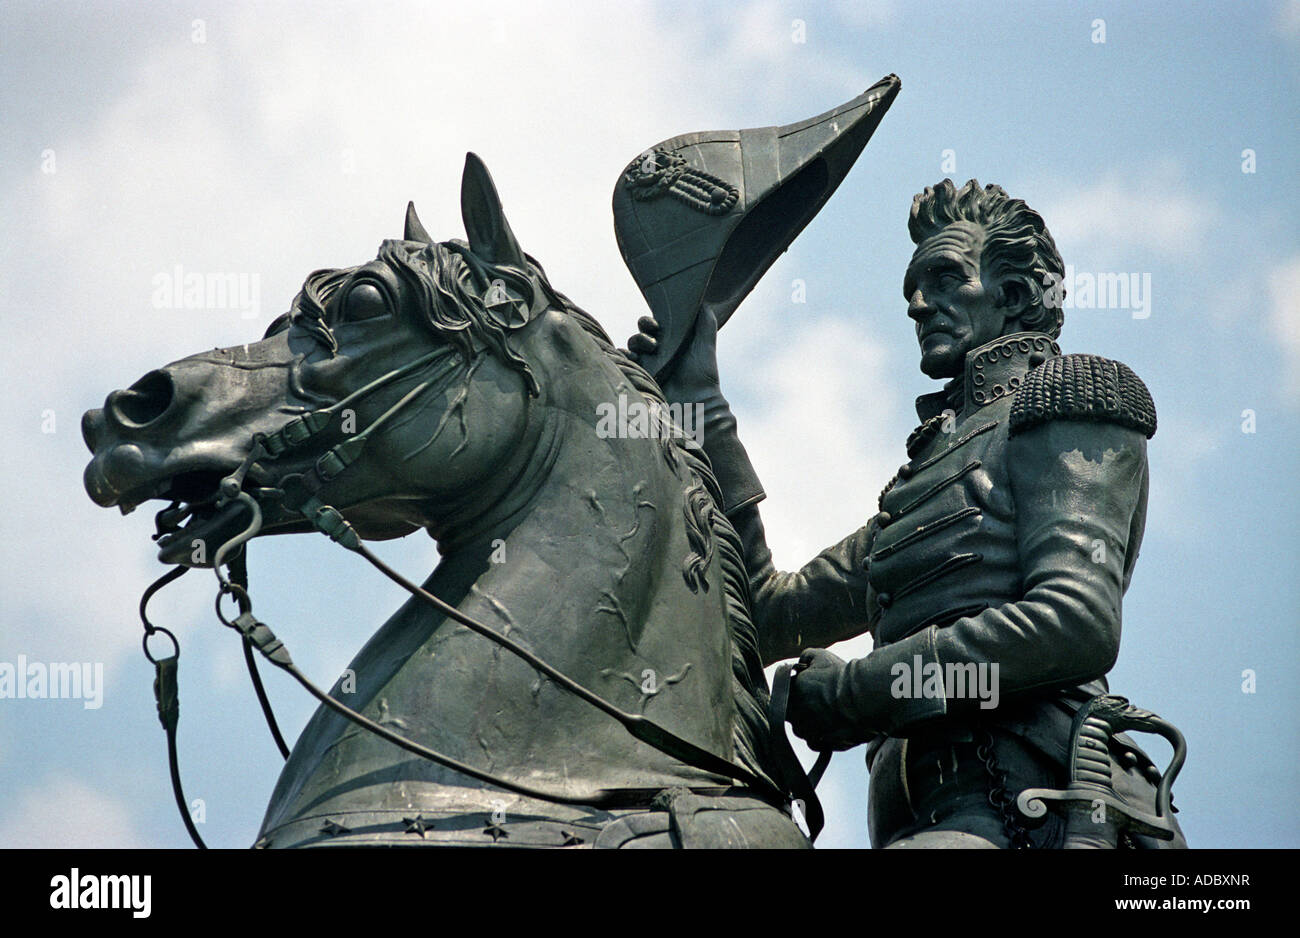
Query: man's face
x=948, y=300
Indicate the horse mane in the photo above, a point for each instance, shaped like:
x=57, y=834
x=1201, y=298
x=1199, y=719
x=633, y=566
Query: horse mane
x=450, y=281
x=711, y=535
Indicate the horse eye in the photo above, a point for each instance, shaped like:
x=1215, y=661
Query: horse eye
x=365, y=301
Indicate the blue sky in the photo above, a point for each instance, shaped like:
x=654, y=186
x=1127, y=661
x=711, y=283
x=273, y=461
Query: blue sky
x=290, y=138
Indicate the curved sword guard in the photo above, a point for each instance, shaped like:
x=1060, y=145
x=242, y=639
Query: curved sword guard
x=1090, y=768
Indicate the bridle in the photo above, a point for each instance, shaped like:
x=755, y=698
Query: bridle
x=301, y=494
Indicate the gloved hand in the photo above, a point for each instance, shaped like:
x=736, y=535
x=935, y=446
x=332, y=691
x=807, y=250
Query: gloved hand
x=821, y=703
x=693, y=380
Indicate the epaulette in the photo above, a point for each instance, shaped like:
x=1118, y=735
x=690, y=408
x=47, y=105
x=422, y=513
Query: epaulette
x=1083, y=387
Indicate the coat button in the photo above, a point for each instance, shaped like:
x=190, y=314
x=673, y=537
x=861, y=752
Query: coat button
x=885, y=600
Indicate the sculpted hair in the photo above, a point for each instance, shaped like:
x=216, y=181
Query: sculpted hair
x=1018, y=248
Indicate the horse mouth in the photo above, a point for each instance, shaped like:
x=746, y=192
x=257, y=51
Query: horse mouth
x=196, y=522
x=194, y=526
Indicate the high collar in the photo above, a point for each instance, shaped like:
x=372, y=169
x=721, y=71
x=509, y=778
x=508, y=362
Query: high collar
x=991, y=371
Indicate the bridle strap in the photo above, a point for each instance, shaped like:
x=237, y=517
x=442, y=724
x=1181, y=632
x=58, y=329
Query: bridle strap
x=166, y=695
x=239, y=575
x=274, y=650
x=802, y=786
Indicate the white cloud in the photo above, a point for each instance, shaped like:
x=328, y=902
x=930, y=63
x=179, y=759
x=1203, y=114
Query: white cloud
x=1288, y=18
x=63, y=813
x=1125, y=212
x=1284, y=321
x=1179, y=454
x=821, y=440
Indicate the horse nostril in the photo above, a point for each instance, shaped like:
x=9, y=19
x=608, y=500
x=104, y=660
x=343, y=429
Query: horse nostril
x=143, y=402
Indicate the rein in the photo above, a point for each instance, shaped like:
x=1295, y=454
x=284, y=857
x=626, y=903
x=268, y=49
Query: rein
x=301, y=494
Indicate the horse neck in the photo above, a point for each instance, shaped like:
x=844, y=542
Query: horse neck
x=587, y=568
x=613, y=501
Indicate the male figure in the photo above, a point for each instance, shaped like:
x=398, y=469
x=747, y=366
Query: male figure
x=999, y=556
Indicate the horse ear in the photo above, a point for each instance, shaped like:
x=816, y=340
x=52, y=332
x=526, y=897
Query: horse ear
x=414, y=230
x=489, y=233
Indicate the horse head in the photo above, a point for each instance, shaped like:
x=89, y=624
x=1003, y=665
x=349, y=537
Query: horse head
x=421, y=337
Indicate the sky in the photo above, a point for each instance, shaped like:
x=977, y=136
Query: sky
x=1158, y=140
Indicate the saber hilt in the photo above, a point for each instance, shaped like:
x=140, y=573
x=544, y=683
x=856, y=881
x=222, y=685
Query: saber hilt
x=1095, y=815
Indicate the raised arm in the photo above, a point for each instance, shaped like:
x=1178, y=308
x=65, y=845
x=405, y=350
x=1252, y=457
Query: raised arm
x=824, y=602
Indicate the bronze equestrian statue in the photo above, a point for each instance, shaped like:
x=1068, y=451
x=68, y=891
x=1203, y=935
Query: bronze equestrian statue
x=584, y=666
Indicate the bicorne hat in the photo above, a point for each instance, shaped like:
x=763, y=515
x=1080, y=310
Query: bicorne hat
x=701, y=217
